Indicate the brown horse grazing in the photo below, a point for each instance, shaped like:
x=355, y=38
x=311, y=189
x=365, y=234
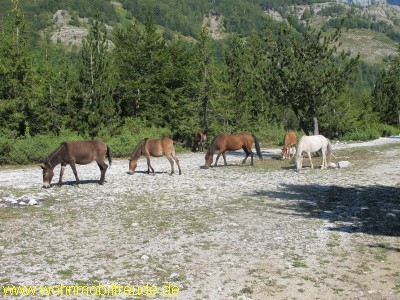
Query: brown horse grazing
x=71, y=153
x=155, y=148
x=200, y=139
x=232, y=142
x=289, y=141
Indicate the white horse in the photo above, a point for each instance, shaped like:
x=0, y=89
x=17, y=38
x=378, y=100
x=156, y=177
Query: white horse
x=310, y=144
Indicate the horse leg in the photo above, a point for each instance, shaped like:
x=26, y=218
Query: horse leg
x=63, y=165
x=103, y=168
x=177, y=162
x=149, y=167
x=245, y=158
x=309, y=157
x=216, y=160
x=224, y=157
x=294, y=150
x=324, y=164
x=73, y=167
x=171, y=161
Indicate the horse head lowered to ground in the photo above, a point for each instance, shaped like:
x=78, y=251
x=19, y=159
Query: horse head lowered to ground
x=156, y=148
x=289, y=142
x=232, y=142
x=311, y=144
x=72, y=153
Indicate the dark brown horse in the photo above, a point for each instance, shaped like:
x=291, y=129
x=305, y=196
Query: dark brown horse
x=71, y=153
x=289, y=142
x=155, y=148
x=200, y=139
x=232, y=142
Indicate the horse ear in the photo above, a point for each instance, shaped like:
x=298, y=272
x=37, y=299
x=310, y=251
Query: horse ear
x=42, y=166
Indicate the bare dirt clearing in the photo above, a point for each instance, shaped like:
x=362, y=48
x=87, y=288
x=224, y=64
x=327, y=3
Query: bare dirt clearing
x=223, y=233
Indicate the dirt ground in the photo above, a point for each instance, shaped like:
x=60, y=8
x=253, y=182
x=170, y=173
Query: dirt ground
x=235, y=232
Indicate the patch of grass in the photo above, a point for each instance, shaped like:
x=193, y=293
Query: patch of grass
x=247, y=290
x=298, y=262
x=65, y=274
x=397, y=288
x=50, y=261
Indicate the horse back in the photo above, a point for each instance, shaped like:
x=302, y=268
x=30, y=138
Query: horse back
x=160, y=147
x=84, y=152
x=311, y=143
x=232, y=142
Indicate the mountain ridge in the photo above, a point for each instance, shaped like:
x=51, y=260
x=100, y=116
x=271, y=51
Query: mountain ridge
x=374, y=47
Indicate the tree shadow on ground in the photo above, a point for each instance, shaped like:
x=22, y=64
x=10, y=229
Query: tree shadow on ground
x=373, y=209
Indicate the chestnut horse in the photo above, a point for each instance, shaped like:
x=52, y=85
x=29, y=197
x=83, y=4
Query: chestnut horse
x=71, y=153
x=200, y=139
x=310, y=144
x=289, y=142
x=231, y=142
x=155, y=148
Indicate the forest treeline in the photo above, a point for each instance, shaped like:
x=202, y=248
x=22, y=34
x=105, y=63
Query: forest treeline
x=132, y=82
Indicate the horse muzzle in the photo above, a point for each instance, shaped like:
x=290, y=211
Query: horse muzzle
x=46, y=185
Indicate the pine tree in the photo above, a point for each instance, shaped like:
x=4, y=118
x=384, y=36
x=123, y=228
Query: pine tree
x=386, y=93
x=308, y=72
x=94, y=103
x=15, y=76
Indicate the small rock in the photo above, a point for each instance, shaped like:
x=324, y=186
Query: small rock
x=32, y=202
x=344, y=164
x=174, y=276
x=144, y=257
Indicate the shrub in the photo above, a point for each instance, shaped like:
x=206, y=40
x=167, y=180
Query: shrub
x=131, y=133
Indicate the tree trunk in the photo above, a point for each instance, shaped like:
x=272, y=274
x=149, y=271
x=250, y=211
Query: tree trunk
x=314, y=116
x=316, y=128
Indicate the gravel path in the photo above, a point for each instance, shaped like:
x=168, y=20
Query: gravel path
x=232, y=232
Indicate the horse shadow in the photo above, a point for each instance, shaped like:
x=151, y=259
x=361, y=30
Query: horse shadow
x=73, y=182
x=373, y=210
x=147, y=173
x=229, y=165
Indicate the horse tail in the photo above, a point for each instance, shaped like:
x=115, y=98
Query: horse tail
x=257, y=144
x=328, y=152
x=109, y=155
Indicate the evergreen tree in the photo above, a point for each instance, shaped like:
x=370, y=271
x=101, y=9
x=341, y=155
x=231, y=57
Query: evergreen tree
x=140, y=55
x=53, y=89
x=15, y=84
x=239, y=81
x=386, y=94
x=205, y=83
x=94, y=103
x=308, y=72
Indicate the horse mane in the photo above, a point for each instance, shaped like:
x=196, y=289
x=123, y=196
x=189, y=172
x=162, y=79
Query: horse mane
x=49, y=159
x=138, y=149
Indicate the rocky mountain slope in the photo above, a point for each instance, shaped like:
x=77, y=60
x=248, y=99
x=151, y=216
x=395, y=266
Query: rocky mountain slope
x=374, y=47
